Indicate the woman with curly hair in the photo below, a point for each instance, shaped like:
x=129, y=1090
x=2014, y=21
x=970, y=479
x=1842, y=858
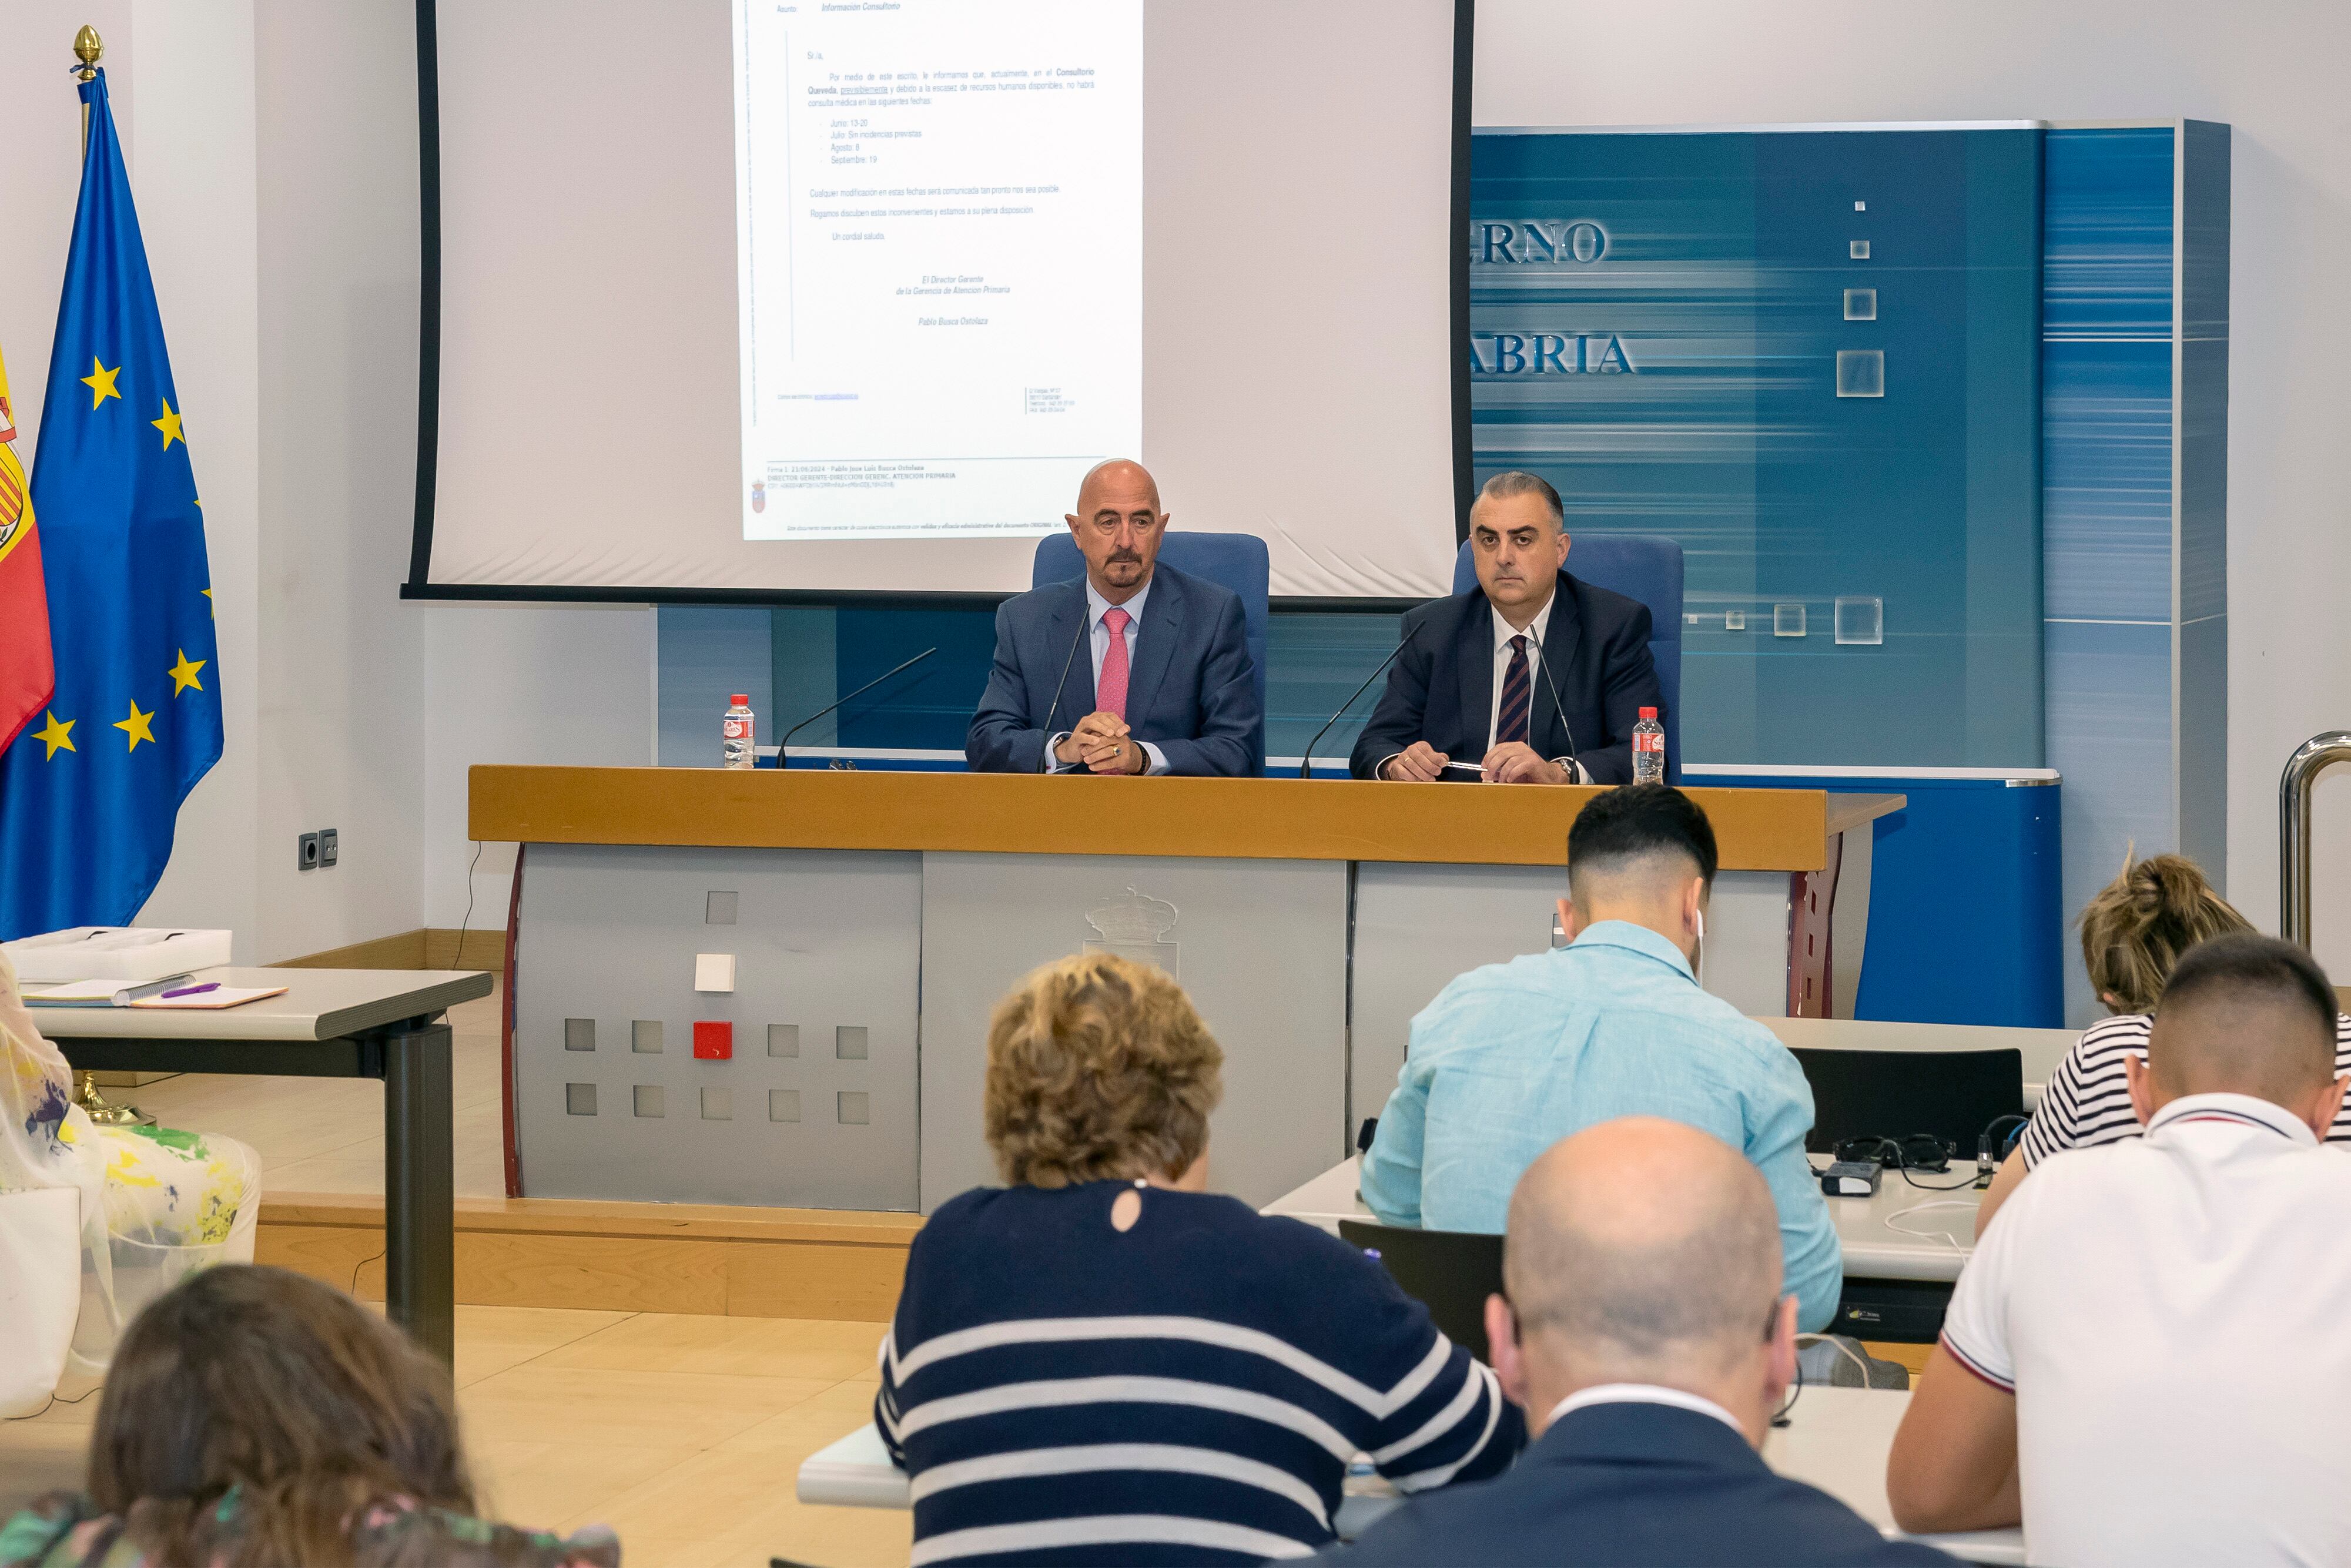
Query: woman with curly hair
x=1102, y=1361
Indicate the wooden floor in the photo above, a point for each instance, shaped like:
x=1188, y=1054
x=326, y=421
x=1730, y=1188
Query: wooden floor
x=682, y=1433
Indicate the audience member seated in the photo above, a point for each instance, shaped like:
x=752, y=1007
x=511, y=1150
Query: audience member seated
x=168, y=1194
x=2133, y=933
x=255, y=1418
x=1510, y=1058
x=1102, y=1362
x=1646, y=1336
x=2145, y=1359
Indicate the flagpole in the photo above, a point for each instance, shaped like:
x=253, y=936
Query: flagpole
x=88, y=48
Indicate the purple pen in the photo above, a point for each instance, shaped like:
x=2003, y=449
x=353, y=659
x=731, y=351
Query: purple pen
x=190, y=990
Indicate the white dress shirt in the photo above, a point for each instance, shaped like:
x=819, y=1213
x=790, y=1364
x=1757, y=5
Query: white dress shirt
x=2168, y=1312
x=1504, y=632
x=1538, y=694
x=1645, y=1394
x=1098, y=643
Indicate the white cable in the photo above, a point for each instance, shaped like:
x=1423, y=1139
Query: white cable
x=1954, y=1242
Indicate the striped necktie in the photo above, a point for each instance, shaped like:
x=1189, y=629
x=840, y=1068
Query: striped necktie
x=1511, y=723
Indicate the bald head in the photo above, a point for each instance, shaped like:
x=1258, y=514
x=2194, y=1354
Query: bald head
x=1117, y=526
x=1644, y=1251
x=1120, y=483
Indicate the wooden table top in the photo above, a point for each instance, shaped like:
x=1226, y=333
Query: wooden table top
x=1000, y=813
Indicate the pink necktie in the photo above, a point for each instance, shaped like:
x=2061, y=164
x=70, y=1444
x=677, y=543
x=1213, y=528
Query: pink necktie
x=1111, y=693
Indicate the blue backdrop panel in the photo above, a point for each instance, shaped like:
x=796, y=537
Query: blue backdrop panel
x=1811, y=358
x=1965, y=922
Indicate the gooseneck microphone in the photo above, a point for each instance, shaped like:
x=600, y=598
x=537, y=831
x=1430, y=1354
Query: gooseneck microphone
x=1307, y=761
x=1543, y=658
x=783, y=754
x=1085, y=615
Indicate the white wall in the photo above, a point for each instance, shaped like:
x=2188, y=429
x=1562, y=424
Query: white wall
x=529, y=683
x=2272, y=69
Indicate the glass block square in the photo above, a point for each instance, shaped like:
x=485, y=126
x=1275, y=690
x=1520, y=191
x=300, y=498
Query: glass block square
x=1861, y=304
x=720, y=908
x=783, y=1105
x=1787, y=620
x=645, y=1037
x=1861, y=207
x=1861, y=620
x=783, y=1040
x=579, y=1099
x=848, y=1043
x=856, y=1108
x=652, y=1100
x=1858, y=250
x=718, y=1105
x=1860, y=372
x=1734, y=621
x=579, y=1034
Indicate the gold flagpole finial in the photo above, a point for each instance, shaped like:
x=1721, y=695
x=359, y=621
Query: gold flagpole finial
x=88, y=48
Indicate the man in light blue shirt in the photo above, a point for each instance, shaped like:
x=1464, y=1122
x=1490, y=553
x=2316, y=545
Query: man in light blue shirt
x=1512, y=1058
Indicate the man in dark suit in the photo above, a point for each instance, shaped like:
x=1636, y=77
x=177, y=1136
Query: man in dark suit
x=1167, y=686
x=1647, y=1339
x=1534, y=675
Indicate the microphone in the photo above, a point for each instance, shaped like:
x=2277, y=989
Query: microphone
x=783, y=753
x=1307, y=761
x=1543, y=658
x=1084, y=617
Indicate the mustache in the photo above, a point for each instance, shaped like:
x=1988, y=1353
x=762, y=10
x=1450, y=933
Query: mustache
x=1128, y=557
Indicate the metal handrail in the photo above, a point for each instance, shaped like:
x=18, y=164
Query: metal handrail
x=2311, y=758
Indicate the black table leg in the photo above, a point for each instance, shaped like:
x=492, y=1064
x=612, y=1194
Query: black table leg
x=420, y=1219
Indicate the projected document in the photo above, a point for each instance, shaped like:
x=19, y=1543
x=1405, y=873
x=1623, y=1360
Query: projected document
x=940, y=254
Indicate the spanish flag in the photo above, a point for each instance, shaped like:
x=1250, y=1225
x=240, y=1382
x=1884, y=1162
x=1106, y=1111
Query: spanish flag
x=26, y=674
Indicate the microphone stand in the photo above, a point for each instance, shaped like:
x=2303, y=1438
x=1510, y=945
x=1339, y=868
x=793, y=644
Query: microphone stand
x=783, y=753
x=1307, y=761
x=1543, y=658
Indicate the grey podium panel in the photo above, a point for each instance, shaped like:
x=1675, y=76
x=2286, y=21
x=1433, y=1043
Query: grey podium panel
x=1260, y=946
x=816, y=1108
x=1417, y=926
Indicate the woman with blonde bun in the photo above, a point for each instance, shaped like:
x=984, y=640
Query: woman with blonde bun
x=2133, y=933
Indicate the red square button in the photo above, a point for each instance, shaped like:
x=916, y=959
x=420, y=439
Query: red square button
x=714, y=1042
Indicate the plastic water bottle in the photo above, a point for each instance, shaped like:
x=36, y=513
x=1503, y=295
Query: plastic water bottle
x=737, y=744
x=1648, y=749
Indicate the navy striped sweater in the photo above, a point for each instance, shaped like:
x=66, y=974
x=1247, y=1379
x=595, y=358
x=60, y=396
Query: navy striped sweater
x=1189, y=1391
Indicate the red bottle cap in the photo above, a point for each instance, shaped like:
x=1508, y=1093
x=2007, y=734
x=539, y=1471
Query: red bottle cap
x=741, y=699
x=1645, y=713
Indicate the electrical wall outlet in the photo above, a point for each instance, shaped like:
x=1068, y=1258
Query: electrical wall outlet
x=327, y=847
x=306, y=852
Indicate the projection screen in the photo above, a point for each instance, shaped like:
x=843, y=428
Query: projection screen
x=835, y=298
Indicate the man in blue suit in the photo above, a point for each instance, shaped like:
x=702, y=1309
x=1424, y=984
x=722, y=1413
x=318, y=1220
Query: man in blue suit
x=1534, y=675
x=1646, y=1336
x=1167, y=686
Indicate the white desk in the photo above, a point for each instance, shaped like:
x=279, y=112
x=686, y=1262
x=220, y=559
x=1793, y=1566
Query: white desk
x=1930, y=1245
x=330, y=1023
x=1836, y=1440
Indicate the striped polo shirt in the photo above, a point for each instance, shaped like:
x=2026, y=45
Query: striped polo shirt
x=2168, y=1312
x=1188, y=1391
x=2087, y=1100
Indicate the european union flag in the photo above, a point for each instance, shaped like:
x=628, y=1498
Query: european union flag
x=89, y=791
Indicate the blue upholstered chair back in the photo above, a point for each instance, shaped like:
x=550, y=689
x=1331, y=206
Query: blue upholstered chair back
x=1237, y=561
x=1638, y=566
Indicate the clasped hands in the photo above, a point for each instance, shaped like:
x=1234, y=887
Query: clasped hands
x=1512, y=762
x=1102, y=743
